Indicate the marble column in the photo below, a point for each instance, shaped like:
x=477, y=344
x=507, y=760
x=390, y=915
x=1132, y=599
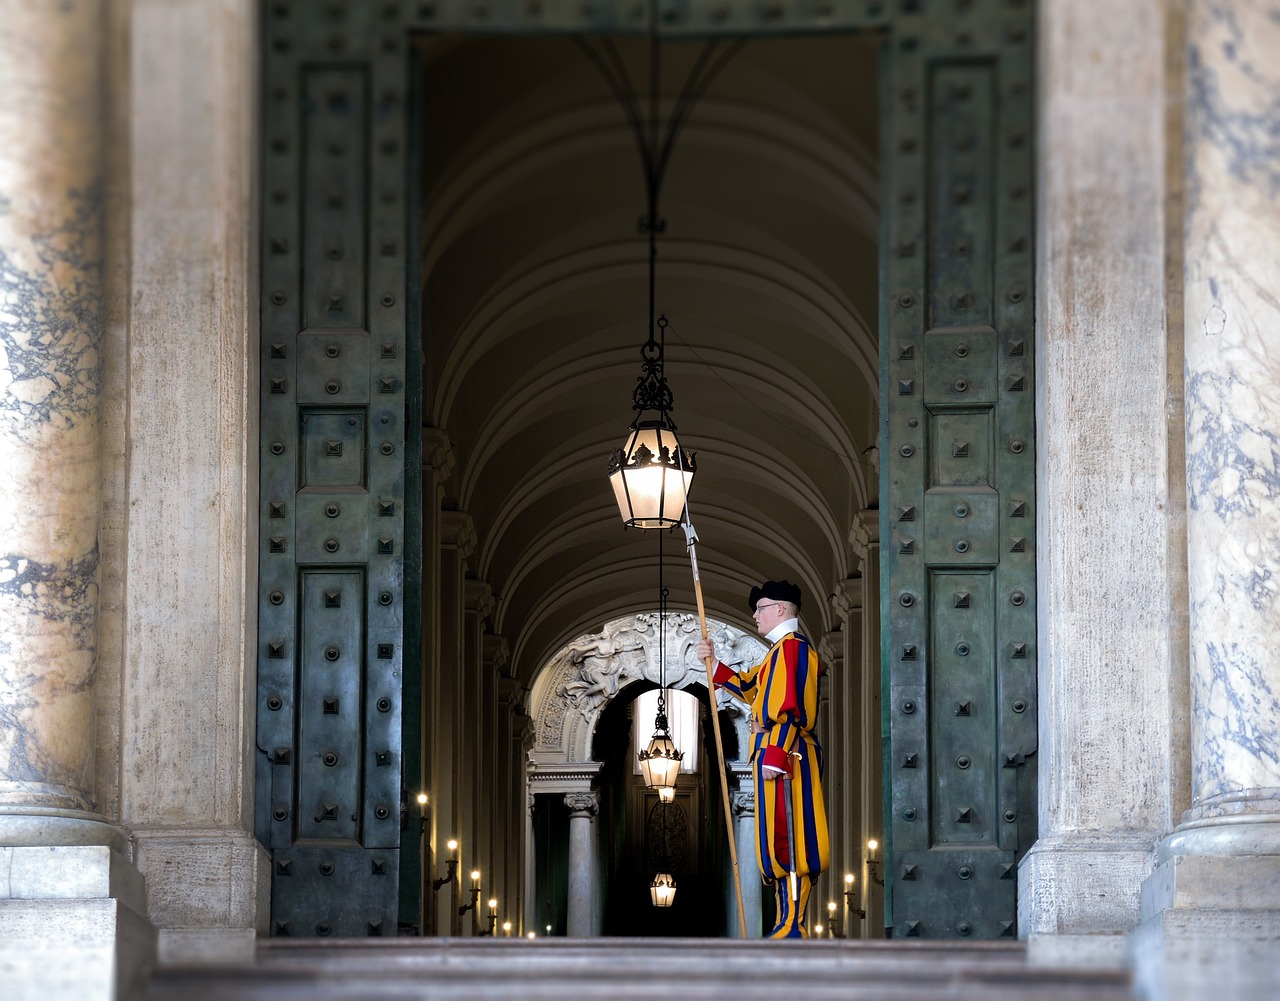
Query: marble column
x=583, y=864
x=1212, y=907
x=61, y=860
x=743, y=804
x=1107, y=505
x=530, y=867
x=51, y=329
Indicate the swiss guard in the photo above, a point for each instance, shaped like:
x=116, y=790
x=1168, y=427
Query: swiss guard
x=785, y=754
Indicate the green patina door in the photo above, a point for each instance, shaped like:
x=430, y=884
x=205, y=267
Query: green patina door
x=338, y=719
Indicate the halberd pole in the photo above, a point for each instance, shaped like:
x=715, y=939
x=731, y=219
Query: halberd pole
x=691, y=539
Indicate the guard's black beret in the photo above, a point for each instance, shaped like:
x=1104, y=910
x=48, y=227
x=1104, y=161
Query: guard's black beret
x=775, y=590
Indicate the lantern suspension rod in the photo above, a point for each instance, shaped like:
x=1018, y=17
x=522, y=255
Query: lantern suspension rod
x=655, y=146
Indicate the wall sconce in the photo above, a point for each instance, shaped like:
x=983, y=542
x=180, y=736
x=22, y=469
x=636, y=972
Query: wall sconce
x=451, y=866
x=506, y=929
x=873, y=863
x=422, y=810
x=849, y=893
x=493, y=916
x=475, y=893
x=831, y=920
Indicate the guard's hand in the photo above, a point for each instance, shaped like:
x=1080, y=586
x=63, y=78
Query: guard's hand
x=770, y=773
x=704, y=649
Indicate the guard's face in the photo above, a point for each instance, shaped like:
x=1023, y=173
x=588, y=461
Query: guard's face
x=769, y=613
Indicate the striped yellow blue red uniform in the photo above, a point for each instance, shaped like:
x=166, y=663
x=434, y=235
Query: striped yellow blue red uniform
x=783, y=693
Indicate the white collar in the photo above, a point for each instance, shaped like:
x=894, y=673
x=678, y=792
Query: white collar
x=781, y=630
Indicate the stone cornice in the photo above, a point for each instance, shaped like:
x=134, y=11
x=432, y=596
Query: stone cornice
x=477, y=596
x=865, y=532
x=437, y=453
x=848, y=596
x=495, y=652
x=457, y=531
x=831, y=649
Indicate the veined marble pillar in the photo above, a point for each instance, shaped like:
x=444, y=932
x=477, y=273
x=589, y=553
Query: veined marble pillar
x=1108, y=503
x=51, y=217
x=62, y=862
x=1212, y=907
x=583, y=864
x=743, y=804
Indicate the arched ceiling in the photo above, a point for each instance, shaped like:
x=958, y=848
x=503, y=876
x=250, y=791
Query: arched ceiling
x=535, y=286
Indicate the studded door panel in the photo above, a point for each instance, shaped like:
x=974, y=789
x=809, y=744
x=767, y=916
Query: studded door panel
x=958, y=468
x=331, y=620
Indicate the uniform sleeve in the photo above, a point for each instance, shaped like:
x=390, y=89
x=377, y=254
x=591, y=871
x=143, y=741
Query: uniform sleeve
x=739, y=683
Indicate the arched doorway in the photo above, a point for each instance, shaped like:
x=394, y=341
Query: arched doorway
x=582, y=770
x=450, y=324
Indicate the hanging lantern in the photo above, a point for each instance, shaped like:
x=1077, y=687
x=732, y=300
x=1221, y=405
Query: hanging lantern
x=660, y=761
x=662, y=891
x=651, y=475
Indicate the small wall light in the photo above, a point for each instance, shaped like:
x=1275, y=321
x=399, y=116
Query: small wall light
x=873, y=863
x=451, y=866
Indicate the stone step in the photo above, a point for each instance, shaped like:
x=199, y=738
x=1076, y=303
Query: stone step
x=562, y=969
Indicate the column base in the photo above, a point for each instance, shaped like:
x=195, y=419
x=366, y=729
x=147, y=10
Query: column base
x=26, y=825
x=1078, y=897
x=208, y=892
x=72, y=924
x=1211, y=915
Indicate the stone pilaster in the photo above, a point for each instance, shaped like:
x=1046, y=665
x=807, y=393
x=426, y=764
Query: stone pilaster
x=583, y=863
x=866, y=543
x=1107, y=508
x=63, y=862
x=180, y=531
x=474, y=769
x=1212, y=906
x=437, y=466
x=457, y=541
x=845, y=754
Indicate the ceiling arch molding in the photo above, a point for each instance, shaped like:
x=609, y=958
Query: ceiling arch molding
x=503, y=316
